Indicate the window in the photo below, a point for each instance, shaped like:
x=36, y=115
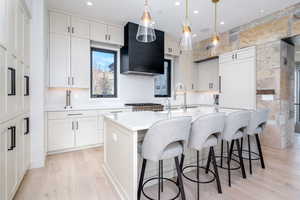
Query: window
x=103, y=73
x=162, y=83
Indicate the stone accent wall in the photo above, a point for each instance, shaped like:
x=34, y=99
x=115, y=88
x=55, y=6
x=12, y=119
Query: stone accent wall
x=275, y=67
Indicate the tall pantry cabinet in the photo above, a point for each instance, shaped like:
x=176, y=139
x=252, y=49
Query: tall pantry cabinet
x=14, y=95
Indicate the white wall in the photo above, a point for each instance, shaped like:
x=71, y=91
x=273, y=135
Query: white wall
x=38, y=64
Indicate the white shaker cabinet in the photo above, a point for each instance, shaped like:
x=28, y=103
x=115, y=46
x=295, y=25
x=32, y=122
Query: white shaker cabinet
x=10, y=129
x=238, y=79
x=80, y=28
x=27, y=142
x=20, y=31
x=2, y=83
x=171, y=47
x=59, y=60
x=98, y=32
x=60, y=134
x=3, y=20
x=59, y=23
x=2, y=162
x=115, y=35
x=20, y=148
x=86, y=131
x=105, y=33
x=11, y=26
x=80, y=61
x=27, y=40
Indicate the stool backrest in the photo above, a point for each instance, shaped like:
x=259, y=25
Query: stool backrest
x=258, y=119
x=236, y=121
x=164, y=133
x=204, y=127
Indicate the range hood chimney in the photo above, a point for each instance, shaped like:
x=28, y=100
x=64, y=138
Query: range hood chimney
x=142, y=58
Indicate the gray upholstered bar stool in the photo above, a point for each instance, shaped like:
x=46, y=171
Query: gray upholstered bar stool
x=205, y=132
x=236, y=125
x=258, y=121
x=164, y=140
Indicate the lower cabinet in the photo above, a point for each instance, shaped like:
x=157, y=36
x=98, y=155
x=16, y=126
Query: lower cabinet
x=12, y=156
x=60, y=134
x=86, y=132
x=72, y=133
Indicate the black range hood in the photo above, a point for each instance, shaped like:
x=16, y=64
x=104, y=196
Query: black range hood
x=142, y=58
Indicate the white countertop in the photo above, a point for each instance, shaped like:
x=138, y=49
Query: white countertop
x=136, y=121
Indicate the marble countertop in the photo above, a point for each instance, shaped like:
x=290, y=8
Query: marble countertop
x=136, y=121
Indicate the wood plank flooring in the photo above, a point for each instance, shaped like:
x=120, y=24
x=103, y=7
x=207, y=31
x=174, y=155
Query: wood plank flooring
x=79, y=176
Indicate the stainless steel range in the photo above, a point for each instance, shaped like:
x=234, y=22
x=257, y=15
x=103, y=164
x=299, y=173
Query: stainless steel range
x=137, y=107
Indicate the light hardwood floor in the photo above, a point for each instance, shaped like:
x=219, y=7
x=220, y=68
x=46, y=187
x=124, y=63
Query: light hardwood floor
x=79, y=176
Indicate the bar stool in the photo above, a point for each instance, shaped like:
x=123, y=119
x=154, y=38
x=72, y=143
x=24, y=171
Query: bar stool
x=257, y=125
x=204, y=134
x=164, y=140
x=236, y=125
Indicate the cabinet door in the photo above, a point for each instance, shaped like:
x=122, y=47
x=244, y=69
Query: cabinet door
x=3, y=150
x=2, y=83
x=11, y=159
x=59, y=60
x=26, y=89
x=27, y=40
x=3, y=18
x=12, y=86
x=98, y=32
x=80, y=28
x=115, y=35
x=27, y=142
x=60, y=134
x=59, y=23
x=238, y=84
x=20, y=148
x=86, y=132
x=11, y=14
x=80, y=62
x=20, y=31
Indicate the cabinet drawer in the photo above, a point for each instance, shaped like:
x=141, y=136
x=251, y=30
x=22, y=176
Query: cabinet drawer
x=72, y=114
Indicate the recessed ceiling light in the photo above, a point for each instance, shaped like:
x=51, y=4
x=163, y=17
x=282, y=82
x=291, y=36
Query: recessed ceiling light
x=177, y=3
x=222, y=23
x=89, y=3
x=196, y=11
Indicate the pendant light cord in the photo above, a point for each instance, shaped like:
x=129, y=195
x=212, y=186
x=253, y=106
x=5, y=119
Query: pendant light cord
x=186, y=9
x=215, y=18
x=146, y=3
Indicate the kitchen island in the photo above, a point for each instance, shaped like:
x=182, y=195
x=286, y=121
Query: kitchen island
x=123, y=132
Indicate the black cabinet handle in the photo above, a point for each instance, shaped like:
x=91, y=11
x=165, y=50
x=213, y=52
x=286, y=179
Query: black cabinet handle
x=27, y=125
x=12, y=130
x=26, y=85
x=75, y=114
x=12, y=72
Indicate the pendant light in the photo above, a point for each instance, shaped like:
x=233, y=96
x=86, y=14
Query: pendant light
x=146, y=31
x=215, y=38
x=186, y=39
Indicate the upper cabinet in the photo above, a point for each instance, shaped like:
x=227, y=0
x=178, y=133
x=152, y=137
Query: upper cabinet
x=171, y=46
x=3, y=18
x=80, y=28
x=107, y=33
x=19, y=45
x=11, y=18
x=70, y=38
x=59, y=23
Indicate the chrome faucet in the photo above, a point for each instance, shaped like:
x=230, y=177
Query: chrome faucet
x=168, y=105
x=180, y=87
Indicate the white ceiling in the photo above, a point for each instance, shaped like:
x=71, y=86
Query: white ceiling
x=169, y=17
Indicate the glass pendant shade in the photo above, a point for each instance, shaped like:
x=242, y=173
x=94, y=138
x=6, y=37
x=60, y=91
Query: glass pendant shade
x=215, y=40
x=146, y=30
x=186, y=39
